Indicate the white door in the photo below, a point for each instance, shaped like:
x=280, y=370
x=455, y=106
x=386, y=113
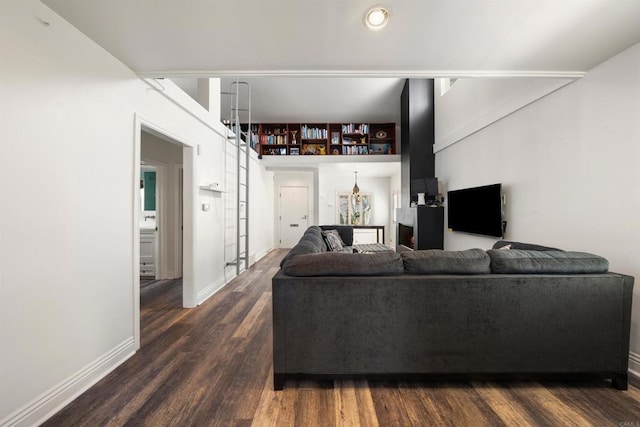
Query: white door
x=294, y=215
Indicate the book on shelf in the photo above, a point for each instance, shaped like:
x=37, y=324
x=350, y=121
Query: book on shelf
x=355, y=150
x=352, y=128
x=273, y=139
x=313, y=132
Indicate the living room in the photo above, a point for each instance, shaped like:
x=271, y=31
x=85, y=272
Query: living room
x=71, y=111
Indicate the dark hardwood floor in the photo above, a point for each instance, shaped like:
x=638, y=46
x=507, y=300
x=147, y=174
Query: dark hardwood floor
x=211, y=365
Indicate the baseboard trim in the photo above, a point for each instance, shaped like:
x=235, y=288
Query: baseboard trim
x=257, y=256
x=47, y=404
x=209, y=291
x=634, y=366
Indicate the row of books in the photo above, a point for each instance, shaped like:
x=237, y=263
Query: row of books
x=353, y=128
x=276, y=151
x=355, y=149
x=273, y=139
x=313, y=133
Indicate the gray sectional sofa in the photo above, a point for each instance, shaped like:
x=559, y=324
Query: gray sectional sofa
x=514, y=310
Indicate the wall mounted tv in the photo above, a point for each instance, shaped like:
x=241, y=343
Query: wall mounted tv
x=476, y=210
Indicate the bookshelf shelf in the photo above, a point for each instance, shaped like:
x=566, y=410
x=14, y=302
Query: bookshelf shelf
x=338, y=139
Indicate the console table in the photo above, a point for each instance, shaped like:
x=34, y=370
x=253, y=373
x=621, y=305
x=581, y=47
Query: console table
x=363, y=234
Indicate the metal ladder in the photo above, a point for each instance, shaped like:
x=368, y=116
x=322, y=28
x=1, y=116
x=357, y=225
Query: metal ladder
x=241, y=142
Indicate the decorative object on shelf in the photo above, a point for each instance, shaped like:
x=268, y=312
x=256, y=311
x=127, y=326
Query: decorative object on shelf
x=335, y=137
x=381, y=134
x=293, y=136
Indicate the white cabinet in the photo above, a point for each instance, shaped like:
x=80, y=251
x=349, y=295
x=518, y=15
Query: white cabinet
x=365, y=236
x=148, y=253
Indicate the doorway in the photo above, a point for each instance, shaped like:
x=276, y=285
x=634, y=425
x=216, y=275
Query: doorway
x=294, y=214
x=174, y=160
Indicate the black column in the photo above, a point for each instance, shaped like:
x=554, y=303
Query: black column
x=417, y=133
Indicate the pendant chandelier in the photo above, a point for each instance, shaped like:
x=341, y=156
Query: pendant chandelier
x=356, y=189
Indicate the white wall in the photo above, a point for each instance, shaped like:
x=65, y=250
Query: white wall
x=570, y=167
x=261, y=210
x=472, y=104
x=70, y=116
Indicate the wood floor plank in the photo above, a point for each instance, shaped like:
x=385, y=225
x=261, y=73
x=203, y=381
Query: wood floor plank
x=212, y=366
x=548, y=409
x=510, y=411
x=346, y=404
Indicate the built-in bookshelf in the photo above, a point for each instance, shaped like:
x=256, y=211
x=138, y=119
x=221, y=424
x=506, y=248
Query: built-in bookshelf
x=342, y=139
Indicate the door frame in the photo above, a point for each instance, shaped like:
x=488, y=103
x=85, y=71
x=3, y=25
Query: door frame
x=189, y=162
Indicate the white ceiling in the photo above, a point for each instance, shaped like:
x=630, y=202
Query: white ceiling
x=296, y=54
x=311, y=99
x=424, y=37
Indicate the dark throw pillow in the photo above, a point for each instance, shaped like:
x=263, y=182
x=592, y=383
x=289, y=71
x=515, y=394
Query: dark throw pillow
x=333, y=240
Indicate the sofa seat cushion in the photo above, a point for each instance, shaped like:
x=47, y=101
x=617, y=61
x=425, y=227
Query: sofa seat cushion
x=437, y=261
x=344, y=264
x=518, y=261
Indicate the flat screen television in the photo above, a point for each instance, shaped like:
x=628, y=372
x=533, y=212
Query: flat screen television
x=476, y=210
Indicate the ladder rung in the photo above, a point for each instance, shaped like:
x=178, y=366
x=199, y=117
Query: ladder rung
x=239, y=109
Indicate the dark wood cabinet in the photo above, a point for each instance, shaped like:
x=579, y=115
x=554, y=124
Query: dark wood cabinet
x=326, y=138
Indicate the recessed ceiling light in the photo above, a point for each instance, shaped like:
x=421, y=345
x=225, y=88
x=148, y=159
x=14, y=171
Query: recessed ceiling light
x=377, y=17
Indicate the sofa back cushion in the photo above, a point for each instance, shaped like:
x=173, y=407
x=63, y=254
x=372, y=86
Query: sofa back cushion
x=437, y=261
x=311, y=242
x=506, y=244
x=344, y=264
x=517, y=261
